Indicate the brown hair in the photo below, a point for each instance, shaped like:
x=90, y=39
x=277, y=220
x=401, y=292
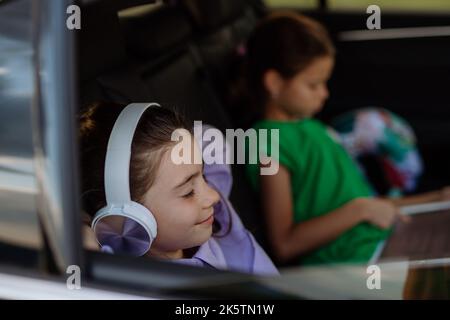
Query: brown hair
x=151, y=138
x=286, y=42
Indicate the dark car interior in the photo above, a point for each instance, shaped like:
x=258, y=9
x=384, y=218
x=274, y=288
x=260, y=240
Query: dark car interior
x=186, y=54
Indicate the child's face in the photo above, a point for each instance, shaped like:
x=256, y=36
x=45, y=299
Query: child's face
x=305, y=94
x=182, y=204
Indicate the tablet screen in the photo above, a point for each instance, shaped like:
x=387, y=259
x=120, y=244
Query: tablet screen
x=426, y=236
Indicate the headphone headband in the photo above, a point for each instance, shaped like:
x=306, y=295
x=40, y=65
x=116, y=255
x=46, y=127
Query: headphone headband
x=118, y=154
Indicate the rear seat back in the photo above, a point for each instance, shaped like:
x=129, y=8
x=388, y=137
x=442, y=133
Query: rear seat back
x=221, y=28
x=103, y=61
x=169, y=65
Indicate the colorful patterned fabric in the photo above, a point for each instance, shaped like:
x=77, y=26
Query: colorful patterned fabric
x=379, y=132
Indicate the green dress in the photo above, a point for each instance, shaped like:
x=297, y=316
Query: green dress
x=323, y=177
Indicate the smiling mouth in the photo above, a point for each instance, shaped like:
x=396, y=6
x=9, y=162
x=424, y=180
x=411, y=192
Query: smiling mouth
x=208, y=220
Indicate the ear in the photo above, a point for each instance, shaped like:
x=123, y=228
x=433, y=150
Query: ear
x=273, y=82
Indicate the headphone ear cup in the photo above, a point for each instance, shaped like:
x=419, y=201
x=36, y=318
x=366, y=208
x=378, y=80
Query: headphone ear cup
x=128, y=229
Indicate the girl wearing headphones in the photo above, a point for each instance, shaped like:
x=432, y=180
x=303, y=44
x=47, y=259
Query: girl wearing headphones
x=144, y=204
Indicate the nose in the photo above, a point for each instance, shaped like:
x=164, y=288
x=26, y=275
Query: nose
x=325, y=92
x=211, y=197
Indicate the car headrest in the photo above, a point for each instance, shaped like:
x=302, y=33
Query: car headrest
x=156, y=32
x=210, y=15
x=101, y=45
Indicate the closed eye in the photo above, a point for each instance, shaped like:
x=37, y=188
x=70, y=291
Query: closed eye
x=189, y=194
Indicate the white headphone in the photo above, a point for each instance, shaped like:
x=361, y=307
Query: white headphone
x=123, y=225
